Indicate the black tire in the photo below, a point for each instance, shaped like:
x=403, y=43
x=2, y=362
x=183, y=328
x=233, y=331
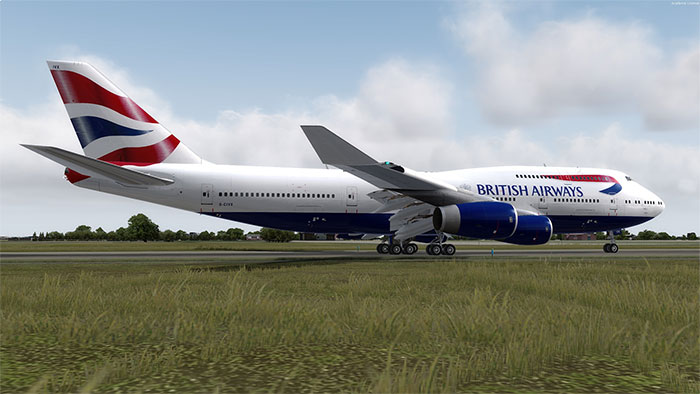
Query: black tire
x=613, y=248
x=395, y=249
x=428, y=250
x=434, y=249
x=410, y=249
x=383, y=249
x=448, y=249
x=605, y=248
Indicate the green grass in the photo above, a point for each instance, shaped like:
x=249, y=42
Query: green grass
x=106, y=246
x=564, y=324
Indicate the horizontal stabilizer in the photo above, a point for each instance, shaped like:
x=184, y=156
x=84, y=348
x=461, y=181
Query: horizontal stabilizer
x=93, y=167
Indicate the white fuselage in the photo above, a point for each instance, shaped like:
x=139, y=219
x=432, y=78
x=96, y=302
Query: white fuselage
x=325, y=200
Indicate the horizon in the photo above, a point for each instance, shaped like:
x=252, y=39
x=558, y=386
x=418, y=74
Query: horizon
x=445, y=86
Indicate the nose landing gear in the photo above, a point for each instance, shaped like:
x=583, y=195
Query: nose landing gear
x=612, y=246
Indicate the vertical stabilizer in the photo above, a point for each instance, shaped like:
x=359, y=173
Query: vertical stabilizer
x=110, y=126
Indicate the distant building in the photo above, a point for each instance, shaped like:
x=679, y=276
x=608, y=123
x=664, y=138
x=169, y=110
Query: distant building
x=580, y=237
x=253, y=237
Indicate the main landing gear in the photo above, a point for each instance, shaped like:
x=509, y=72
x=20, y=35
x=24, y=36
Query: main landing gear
x=612, y=246
x=433, y=249
x=436, y=249
x=385, y=248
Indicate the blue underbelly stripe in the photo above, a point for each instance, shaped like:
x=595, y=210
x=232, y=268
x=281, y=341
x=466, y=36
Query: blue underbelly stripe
x=378, y=223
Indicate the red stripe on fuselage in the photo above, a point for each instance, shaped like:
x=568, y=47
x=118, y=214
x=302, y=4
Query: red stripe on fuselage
x=76, y=88
x=582, y=178
x=143, y=155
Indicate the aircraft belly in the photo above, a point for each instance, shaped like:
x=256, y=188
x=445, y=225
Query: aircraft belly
x=318, y=222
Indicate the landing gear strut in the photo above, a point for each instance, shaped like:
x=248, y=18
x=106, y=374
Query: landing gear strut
x=612, y=246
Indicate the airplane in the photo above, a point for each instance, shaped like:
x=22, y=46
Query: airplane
x=128, y=153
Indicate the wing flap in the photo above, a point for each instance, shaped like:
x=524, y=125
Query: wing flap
x=93, y=167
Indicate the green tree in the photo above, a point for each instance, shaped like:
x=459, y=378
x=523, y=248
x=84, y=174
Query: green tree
x=691, y=237
x=142, y=228
x=81, y=233
x=274, y=235
x=646, y=235
x=54, y=236
x=206, y=236
x=168, y=236
x=235, y=234
x=182, y=235
x=624, y=234
x=232, y=234
x=663, y=236
x=100, y=234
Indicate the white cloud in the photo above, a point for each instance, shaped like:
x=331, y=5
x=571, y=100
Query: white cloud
x=587, y=65
x=401, y=112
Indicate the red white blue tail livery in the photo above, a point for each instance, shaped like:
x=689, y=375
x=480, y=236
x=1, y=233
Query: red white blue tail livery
x=110, y=126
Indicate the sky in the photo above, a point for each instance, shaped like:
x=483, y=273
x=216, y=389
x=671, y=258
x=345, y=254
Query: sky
x=431, y=85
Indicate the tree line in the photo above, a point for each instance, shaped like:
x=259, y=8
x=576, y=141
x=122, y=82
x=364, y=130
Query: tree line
x=141, y=228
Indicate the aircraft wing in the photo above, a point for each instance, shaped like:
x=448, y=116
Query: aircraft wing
x=93, y=167
x=335, y=151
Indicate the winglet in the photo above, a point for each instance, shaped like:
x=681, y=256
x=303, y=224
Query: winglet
x=334, y=150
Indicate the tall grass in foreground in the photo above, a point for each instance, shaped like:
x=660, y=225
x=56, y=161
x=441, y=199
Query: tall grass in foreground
x=574, y=325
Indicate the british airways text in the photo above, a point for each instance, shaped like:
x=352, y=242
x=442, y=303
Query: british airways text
x=523, y=190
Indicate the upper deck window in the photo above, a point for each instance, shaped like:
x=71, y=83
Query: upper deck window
x=628, y=178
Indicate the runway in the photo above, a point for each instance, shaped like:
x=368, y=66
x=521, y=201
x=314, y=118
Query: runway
x=190, y=255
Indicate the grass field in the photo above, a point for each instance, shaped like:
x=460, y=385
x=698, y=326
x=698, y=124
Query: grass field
x=105, y=246
x=564, y=324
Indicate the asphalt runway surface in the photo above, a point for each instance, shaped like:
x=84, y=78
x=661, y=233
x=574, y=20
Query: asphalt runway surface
x=39, y=256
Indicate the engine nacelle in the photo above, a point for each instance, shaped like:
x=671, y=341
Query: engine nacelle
x=531, y=230
x=483, y=220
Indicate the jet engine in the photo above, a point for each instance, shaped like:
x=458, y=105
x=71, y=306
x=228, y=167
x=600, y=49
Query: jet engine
x=531, y=230
x=484, y=220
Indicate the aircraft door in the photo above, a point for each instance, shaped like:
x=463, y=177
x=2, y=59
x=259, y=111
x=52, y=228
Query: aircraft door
x=207, y=198
x=542, y=203
x=351, y=196
x=613, y=206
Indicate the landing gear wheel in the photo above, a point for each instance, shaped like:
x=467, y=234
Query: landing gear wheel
x=613, y=248
x=433, y=249
x=383, y=249
x=606, y=248
x=448, y=249
x=395, y=249
x=410, y=249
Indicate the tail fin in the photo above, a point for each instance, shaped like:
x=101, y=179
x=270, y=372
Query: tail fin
x=110, y=126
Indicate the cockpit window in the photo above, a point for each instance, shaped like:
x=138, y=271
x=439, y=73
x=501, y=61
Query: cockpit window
x=628, y=178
